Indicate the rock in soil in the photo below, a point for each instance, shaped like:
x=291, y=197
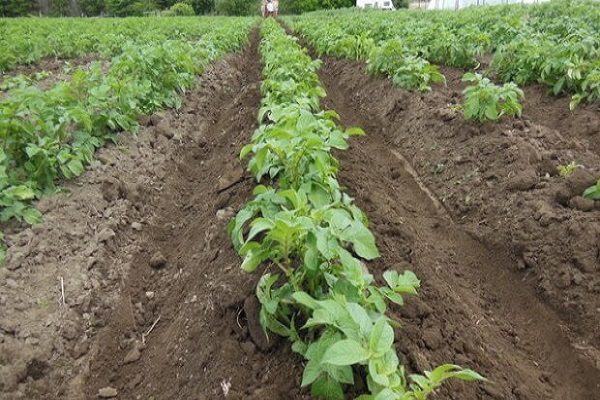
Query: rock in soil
x=107, y=393
x=158, y=261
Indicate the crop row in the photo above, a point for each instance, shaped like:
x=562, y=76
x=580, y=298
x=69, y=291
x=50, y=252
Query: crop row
x=556, y=44
x=50, y=134
x=28, y=40
x=313, y=242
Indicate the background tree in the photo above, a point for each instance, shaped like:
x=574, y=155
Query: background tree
x=300, y=6
x=15, y=8
x=202, y=6
x=237, y=7
x=59, y=7
x=182, y=9
x=92, y=7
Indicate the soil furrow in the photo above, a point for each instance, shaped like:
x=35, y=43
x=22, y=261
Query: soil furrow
x=187, y=273
x=473, y=309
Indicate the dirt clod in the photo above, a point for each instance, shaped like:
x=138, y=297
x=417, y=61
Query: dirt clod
x=158, y=261
x=582, y=204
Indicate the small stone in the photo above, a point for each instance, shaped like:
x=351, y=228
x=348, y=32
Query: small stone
x=133, y=355
x=80, y=349
x=107, y=393
x=529, y=260
x=135, y=382
x=432, y=338
x=149, y=295
x=165, y=129
x=136, y=226
x=106, y=159
x=16, y=261
x=523, y=181
x=105, y=234
x=225, y=214
x=233, y=176
x=581, y=203
x=145, y=120
x=249, y=348
x=11, y=283
x=156, y=118
x=158, y=261
x=194, y=299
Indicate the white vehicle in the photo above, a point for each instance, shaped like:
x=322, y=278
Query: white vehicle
x=380, y=4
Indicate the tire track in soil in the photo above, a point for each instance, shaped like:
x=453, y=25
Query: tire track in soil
x=200, y=347
x=472, y=309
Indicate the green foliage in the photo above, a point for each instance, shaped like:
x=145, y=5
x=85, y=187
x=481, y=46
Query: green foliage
x=15, y=8
x=565, y=171
x=182, y=9
x=237, y=7
x=555, y=43
x=406, y=70
x=50, y=134
x=318, y=291
x=593, y=192
x=92, y=7
x=486, y=101
x=302, y=6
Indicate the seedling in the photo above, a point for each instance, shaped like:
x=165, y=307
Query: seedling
x=593, y=192
x=565, y=171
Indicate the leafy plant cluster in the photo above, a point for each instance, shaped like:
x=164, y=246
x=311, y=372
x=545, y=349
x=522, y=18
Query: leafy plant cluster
x=556, y=44
x=486, y=101
x=313, y=241
x=406, y=70
x=50, y=134
x=28, y=40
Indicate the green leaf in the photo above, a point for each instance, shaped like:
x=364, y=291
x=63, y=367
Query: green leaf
x=363, y=241
x=31, y=215
x=75, y=167
x=306, y=300
x=355, y=131
x=252, y=260
x=345, y=352
x=327, y=388
x=22, y=192
x=311, y=373
x=382, y=337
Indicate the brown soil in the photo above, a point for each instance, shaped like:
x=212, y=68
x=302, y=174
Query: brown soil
x=56, y=68
x=51, y=65
x=155, y=305
x=509, y=260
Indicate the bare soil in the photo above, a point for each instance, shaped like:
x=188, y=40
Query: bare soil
x=130, y=287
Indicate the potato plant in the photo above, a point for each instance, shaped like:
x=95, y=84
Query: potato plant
x=54, y=133
x=555, y=43
x=313, y=241
x=486, y=101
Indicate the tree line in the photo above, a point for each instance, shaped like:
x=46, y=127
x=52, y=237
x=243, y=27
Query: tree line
x=123, y=8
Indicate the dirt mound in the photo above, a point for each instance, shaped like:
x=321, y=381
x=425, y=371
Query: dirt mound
x=179, y=329
x=511, y=277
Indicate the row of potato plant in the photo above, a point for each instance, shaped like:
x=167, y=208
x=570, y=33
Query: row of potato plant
x=313, y=242
x=53, y=134
x=556, y=44
x=28, y=40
